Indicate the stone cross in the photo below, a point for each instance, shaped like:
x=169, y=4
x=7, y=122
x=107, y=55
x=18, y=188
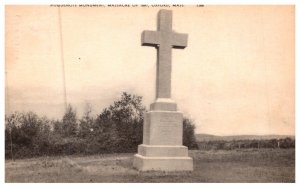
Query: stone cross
x=164, y=39
x=162, y=148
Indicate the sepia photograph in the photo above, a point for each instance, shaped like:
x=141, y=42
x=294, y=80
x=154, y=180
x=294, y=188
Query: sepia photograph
x=149, y=93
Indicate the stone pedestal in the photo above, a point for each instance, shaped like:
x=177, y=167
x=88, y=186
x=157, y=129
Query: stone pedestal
x=162, y=148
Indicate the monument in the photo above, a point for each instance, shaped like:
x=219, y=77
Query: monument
x=162, y=148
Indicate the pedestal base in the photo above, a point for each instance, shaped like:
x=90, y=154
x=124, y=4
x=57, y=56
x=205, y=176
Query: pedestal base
x=162, y=158
x=143, y=163
x=162, y=148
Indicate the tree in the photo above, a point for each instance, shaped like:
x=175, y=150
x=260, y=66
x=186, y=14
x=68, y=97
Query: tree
x=124, y=122
x=41, y=143
x=86, y=123
x=12, y=122
x=189, y=138
x=69, y=122
x=22, y=129
x=57, y=126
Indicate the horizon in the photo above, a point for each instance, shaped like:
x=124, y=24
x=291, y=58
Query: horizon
x=93, y=115
x=244, y=135
x=235, y=77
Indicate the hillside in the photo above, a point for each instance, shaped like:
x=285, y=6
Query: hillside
x=207, y=137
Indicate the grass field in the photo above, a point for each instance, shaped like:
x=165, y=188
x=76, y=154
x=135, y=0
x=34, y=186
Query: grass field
x=251, y=165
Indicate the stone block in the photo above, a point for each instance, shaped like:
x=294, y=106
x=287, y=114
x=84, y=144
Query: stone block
x=162, y=128
x=162, y=104
x=162, y=151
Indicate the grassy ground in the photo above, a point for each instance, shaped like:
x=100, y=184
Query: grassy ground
x=252, y=165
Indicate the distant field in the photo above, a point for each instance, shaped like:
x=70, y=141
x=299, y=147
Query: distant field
x=207, y=137
x=251, y=165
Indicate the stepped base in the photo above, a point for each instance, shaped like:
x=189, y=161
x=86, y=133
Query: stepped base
x=162, y=158
x=162, y=148
x=143, y=163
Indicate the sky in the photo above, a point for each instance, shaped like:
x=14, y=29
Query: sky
x=236, y=76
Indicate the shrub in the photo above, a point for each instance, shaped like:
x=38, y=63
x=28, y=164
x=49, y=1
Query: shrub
x=189, y=139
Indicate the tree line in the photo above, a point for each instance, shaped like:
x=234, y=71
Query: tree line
x=117, y=129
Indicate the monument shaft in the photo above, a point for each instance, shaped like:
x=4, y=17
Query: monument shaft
x=162, y=147
x=163, y=85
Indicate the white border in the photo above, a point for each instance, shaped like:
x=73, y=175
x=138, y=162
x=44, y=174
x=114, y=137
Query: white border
x=150, y=186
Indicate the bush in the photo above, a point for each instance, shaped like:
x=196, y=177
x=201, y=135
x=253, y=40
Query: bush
x=189, y=138
x=26, y=135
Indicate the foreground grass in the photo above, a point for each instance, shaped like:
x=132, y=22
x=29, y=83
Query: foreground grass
x=252, y=165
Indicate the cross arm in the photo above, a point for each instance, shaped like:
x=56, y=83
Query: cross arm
x=150, y=38
x=179, y=41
